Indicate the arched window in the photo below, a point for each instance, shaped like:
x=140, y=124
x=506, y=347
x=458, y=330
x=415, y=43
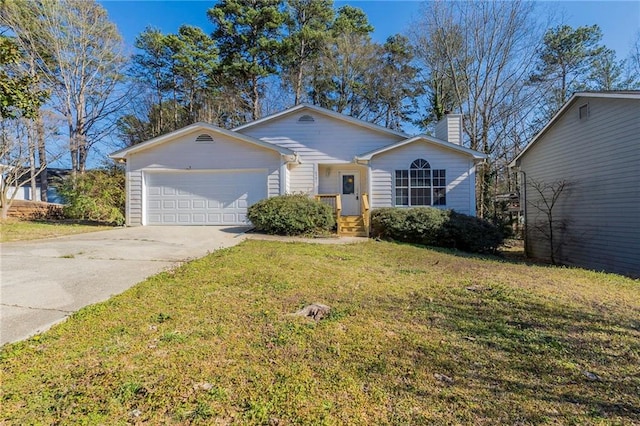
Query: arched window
x=420, y=185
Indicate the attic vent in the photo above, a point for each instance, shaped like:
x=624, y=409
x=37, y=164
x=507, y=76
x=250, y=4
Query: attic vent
x=583, y=111
x=306, y=119
x=204, y=138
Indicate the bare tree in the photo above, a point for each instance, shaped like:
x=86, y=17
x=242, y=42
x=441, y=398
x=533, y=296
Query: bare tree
x=545, y=201
x=17, y=165
x=478, y=58
x=81, y=57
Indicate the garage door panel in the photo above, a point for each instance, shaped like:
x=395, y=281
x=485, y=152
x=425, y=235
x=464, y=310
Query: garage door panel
x=168, y=218
x=195, y=198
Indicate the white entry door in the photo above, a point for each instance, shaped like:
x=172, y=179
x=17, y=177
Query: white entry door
x=349, y=184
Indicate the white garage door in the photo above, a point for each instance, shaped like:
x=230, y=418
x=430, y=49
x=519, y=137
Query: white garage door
x=199, y=198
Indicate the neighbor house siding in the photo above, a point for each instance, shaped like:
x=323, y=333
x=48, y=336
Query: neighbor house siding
x=459, y=173
x=599, y=158
x=184, y=154
x=325, y=140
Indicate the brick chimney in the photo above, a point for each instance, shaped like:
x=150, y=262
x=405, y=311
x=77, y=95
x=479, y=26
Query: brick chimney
x=449, y=128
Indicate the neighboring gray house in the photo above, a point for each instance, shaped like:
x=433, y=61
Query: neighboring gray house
x=205, y=175
x=592, y=144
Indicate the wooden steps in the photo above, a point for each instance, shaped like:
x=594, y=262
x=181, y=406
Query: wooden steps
x=351, y=226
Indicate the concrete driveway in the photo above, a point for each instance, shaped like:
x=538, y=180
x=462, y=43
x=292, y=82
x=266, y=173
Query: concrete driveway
x=42, y=282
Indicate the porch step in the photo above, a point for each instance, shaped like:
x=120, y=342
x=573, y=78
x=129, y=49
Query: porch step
x=351, y=226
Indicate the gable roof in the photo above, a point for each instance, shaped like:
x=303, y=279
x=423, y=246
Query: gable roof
x=615, y=94
x=325, y=112
x=123, y=153
x=476, y=155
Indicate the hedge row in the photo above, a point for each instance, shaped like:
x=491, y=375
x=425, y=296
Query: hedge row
x=436, y=227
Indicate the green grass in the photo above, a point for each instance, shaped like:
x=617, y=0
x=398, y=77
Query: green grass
x=211, y=343
x=20, y=230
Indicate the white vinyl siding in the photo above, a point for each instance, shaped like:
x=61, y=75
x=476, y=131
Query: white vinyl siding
x=326, y=140
x=134, y=197
x=302, y=178
x=460, y=175
x=184, y=154
x=600, y=159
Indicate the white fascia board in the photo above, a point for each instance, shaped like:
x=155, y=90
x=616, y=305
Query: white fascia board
x=476, y=155
x=566, y=106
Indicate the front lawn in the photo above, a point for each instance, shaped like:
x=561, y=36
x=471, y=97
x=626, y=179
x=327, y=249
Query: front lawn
x=19, y=230
x=416, y=336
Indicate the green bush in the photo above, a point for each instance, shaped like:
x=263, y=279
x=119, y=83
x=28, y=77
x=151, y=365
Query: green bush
x=291, y=215
x=97, y=195
x=436, y=227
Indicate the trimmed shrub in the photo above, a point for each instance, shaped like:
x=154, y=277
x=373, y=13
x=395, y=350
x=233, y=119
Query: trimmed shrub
x=414, y=225
x=436, y=227
x=295, y=214
x=97, y=195
x=472, y=234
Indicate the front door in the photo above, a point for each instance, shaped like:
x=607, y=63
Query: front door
x=349, y=183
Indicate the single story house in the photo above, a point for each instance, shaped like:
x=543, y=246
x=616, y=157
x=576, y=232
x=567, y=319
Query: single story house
x=592, y=147
x=205, y=175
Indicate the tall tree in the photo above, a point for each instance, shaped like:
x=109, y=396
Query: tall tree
x=151, y=68
x=307, y=26
x=20, y=101
x=20, y=95
x=434, y=47
x=564, y=61
x=396, y=85
x=80, y=53
x=482, y=61
x=248, y=34
x=338, y=80
x=174, y=73
x=607, y=73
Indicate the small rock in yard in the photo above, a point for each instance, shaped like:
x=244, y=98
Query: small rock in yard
x=136, y=413
x=478, y=288
x=317, y=311
x=443, y=378
x=203, y=386
x=591, y=376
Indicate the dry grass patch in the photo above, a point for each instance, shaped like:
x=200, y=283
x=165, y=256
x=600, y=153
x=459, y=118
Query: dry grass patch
x=20, y=230
x=416, y=336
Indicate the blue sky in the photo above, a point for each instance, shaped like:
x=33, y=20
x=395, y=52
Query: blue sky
x=619, y=20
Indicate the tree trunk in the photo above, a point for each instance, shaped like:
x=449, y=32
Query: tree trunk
x=42, y=159
x=31, y=143
x=256, y=99
x=73, y=147
x=300, y=74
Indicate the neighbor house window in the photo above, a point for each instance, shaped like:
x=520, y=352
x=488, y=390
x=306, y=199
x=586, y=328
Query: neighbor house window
x=421, y=185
